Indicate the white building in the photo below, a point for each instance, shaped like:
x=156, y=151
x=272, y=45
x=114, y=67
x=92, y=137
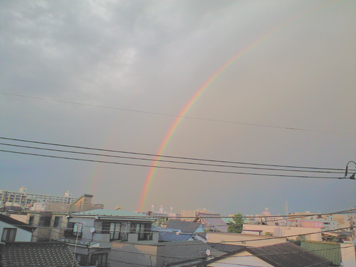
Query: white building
x=25, y=199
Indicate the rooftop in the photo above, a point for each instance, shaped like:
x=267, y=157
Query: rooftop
x=109, y=213
x=54, y=254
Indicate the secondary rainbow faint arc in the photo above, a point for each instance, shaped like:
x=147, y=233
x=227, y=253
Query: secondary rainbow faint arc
x=202, y=89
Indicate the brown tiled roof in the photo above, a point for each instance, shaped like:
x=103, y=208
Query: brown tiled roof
x=288, y=254
x=41, y=254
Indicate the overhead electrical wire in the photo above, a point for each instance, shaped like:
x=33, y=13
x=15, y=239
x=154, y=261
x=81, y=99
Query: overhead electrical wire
x=172, y=168
x=176, y=116
x=168, y=156
x=171, y=161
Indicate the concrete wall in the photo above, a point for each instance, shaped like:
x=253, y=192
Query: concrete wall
x=21, y=235
x=127, y=255
x=348, y=254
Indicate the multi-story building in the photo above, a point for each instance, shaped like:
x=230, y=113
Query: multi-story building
x=24, y=199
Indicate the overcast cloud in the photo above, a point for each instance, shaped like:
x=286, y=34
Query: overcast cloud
x=153, y=56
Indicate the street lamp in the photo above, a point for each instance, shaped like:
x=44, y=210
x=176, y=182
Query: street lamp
x=352, y=177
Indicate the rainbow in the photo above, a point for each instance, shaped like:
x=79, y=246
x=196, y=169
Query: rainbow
x=203, y=88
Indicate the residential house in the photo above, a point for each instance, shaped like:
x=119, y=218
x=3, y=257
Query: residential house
x=163, y=254
x=90, y=234
x=211, y=222
x=14, y=231
x=339, y=253
x=278, y=255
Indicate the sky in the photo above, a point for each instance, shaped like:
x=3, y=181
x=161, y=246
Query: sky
x=116, y=74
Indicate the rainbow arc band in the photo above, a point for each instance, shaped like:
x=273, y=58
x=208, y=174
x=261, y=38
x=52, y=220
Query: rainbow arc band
x=206, y=85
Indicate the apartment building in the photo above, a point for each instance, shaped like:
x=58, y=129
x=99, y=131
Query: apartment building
x=24, y=199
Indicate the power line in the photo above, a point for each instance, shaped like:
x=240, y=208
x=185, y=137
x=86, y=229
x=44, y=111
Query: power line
x=170, y=161
x=168, y=156
x=171, y=168
x=177, y=116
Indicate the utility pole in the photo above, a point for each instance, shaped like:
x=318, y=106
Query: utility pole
x=352, y=230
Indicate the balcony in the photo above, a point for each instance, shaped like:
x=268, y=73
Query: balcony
x=69, y=233
x=143, y=238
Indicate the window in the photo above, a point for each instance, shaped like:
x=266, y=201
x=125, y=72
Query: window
x=81, y=259
x=57, y=222
x=113, y=229
x=77, y=229
x=45, y=221
x=142, y=229
x=31, y=220
x=8, y=235
x=99, y=260
x=74, y=229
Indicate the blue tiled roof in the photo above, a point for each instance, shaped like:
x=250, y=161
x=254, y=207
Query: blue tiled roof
x=172, y=237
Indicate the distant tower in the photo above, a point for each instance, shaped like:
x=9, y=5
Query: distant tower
x=153, y=208
x=22, y=190
x=68, y=194
x=161, y=210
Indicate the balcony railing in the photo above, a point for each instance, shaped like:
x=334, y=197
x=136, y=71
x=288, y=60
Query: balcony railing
x=69, y=233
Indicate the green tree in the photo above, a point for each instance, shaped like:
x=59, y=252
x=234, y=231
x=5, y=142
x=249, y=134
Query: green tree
x=236, y=225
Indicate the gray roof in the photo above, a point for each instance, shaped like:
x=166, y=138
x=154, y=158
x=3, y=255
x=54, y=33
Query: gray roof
x=288, y=254
x=185, y=227
x=173, y=237
x=212, y=221
x=21, y=254
x=187, y=251
x=279, y=255
x=111, y=213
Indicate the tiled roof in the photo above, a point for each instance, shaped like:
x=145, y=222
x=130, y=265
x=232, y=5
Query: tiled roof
x=173, y=237
x=185, y=227
x=19, y=224
x=288, y=254
x=327, y=250
x=226, y=247
x=213, y=221
x=41, y=254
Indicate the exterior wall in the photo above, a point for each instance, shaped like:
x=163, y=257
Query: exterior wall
x=286, y=231
x=348, y=254
x=243, y=240
x=21, y=235
x=128, y=255
x=21, y=218
x=58, y=231
x=242, y=259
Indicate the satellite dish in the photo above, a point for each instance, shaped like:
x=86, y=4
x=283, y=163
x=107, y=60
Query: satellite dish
x=92, y=230
x=208, y=252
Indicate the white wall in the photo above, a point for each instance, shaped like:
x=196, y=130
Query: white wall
x=348, y=254
x=21, y=235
